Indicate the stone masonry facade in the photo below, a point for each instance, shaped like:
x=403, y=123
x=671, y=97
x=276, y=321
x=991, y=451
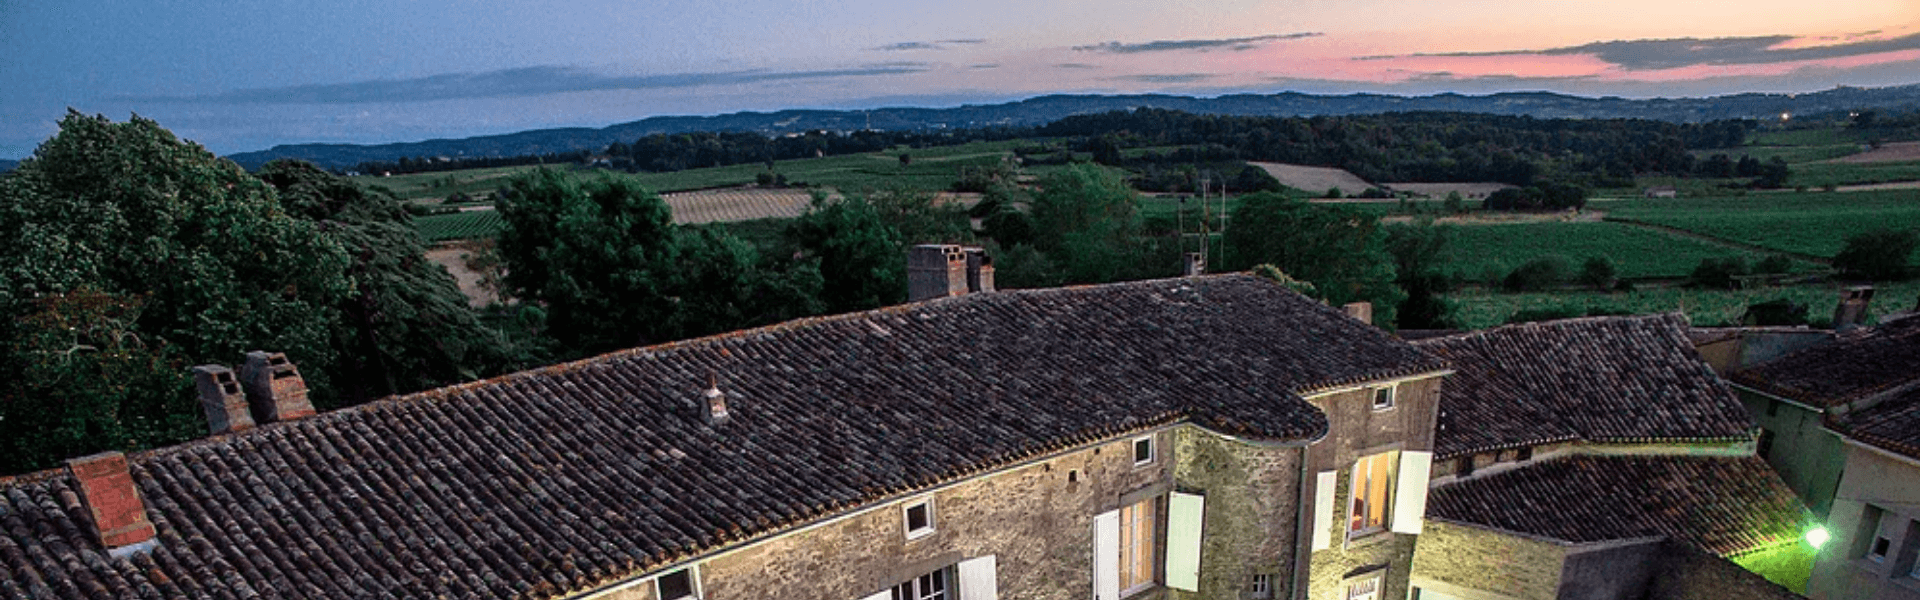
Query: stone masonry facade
x=1253, y=502
x=1357, y=430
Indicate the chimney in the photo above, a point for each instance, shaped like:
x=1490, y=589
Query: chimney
x=1360, y=310
x=1852, y=311
x=979, y=270
x=716, y=409
x=1196, y=265
x=275, y=390
x=107, y=490
x=221, y=398
x=936, y=271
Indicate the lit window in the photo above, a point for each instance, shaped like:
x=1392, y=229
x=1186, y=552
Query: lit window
x=1383, y=398
x=1143, y=451
x=1364, y=589
x=1372, y=493
x=931, y=586
x=1136, y=547
x=677, y=585
x=919, y=517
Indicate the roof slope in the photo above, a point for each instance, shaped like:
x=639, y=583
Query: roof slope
x=1613, y=379
x=1860, y=363
x=576, y=475
x=1892, y=425
x=1724, y=505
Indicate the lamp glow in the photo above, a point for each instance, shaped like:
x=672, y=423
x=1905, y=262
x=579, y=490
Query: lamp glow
x=1817, y=537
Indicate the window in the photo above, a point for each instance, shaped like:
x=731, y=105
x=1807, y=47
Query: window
x=1136, y=546
x=1773, y=407
x=1765, y=446
x=1364, y=589
x=678, y=585
x=919, y=516
x=1372, y=493
x=1143, y=451
x=1261, y=587
x=931, y=586
x=1383, y=398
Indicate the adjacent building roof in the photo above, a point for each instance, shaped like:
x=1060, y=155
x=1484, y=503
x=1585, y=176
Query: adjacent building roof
x=1858, y=364
x=1606, y=379
x=1893, y=424
x=1721, y=504
x=576, y=475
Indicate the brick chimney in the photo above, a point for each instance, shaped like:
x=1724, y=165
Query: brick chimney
x=222, y=399
x=275, y=390
x=936, y=271
x=979, y=270
x=1852, y=311
x=1195, y=265
x=107, y=490
x=1360, y=310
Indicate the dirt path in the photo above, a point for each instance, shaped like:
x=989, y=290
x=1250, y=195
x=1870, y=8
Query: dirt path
x=454, y=257
x=1720, y=241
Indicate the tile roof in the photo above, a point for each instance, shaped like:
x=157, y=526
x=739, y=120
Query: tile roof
x=1604, y=379
x=576, y=475
x=1722, y=504
x=1893, y=424
x=1859, y=363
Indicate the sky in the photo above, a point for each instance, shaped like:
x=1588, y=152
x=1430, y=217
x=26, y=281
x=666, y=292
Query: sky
x=239, y=76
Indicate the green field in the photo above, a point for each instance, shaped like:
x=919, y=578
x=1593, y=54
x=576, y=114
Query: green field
x=1812, y=223
x=1480, y=250
x=459, y=226
x=1822, y=174
x=1478, y=309
x=434, y=187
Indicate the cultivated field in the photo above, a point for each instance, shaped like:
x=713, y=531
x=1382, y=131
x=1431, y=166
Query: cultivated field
x=1483, y=252
x=1813, y=223
x=1315, y=180
x=1894, y=152
x=1480, y=309
x=737, y=204
x=1440, y=190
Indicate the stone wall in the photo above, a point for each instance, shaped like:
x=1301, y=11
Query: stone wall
x=1253, y=502
x=1356, y=430
x=1463, y=556
x=1608, y=570
x=1808, y=457
x=1843, y=572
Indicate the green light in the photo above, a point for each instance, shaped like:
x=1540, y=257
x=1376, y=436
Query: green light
x=1817, y=537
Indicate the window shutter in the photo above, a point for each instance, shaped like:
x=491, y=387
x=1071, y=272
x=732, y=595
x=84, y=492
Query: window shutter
x=883, y=595
x=978, y=579
x=1106, y=556
x=1410, y=493
x=1323, y=518
x=1186, y=514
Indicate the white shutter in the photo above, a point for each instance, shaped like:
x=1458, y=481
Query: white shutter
x=978, y=581
x=883, y=595
x=1106, y=556
x=1323, y=517
x=1410, y=493
x=1186, y=514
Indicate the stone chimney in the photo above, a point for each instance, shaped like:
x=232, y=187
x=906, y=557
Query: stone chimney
x=1852, y=311
x=107, y=491
x=1195, y=265
x=979, y=270
x=1360, y=310
x=275, y=390
x=936, y=271
x=716, y=403
x=221, y=398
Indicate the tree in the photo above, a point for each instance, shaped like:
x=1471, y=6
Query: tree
x=1599, y=272
x=1538, y=274
x=1719, y=273
x=1419, y=253
x=1341, y=251
x=1087, y=221
x=1878, y=255
x=862, y=261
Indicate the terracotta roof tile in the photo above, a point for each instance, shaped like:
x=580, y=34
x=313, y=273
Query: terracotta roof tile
x=1857, y=364
x=575, y=475
x=1721, y=504
x=1893, y=424
x=1610, y=379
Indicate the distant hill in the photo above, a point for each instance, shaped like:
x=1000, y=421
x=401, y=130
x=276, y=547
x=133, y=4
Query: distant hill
x=1044, y=109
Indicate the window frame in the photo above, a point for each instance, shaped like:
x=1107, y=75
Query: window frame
x=1132, y=542
x=1153, y=451
x=693, y=583
x=1377, y=578
x=1392, y=395
x=947, y=577
x=906, y=518
x=1355, y=491
x=1261, y=586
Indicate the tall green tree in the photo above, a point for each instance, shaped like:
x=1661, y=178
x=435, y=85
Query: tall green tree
x=862, y=260
x=1341, y=251
x=1087, y=221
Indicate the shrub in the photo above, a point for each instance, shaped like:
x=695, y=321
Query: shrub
x=1538, y=274
x=1599, y=272
x=1718, y=273
x=1878, y=255
x=1773, y=265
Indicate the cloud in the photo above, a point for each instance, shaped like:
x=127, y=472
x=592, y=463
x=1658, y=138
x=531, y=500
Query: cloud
x=935, y=45
x=1651, y=55
x=1236, y=44
x=1075, y=66
x=520, y=82
x=984, y=66
x=1164, y=77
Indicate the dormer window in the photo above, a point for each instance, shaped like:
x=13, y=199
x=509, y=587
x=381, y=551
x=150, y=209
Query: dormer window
x=1383, y=398
x=1143, y=451
x=919, y=518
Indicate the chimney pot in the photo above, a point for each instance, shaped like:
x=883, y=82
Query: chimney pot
x=1195, y=265
x=106, y=489
x=1852, y=310
x=222, y=399
x=1360, y=310
x=936, y=271
x=979, y=270
x=275, y=391
x=716, y=405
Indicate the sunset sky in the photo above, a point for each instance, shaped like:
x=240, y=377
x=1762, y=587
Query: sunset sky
x=240, y=76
